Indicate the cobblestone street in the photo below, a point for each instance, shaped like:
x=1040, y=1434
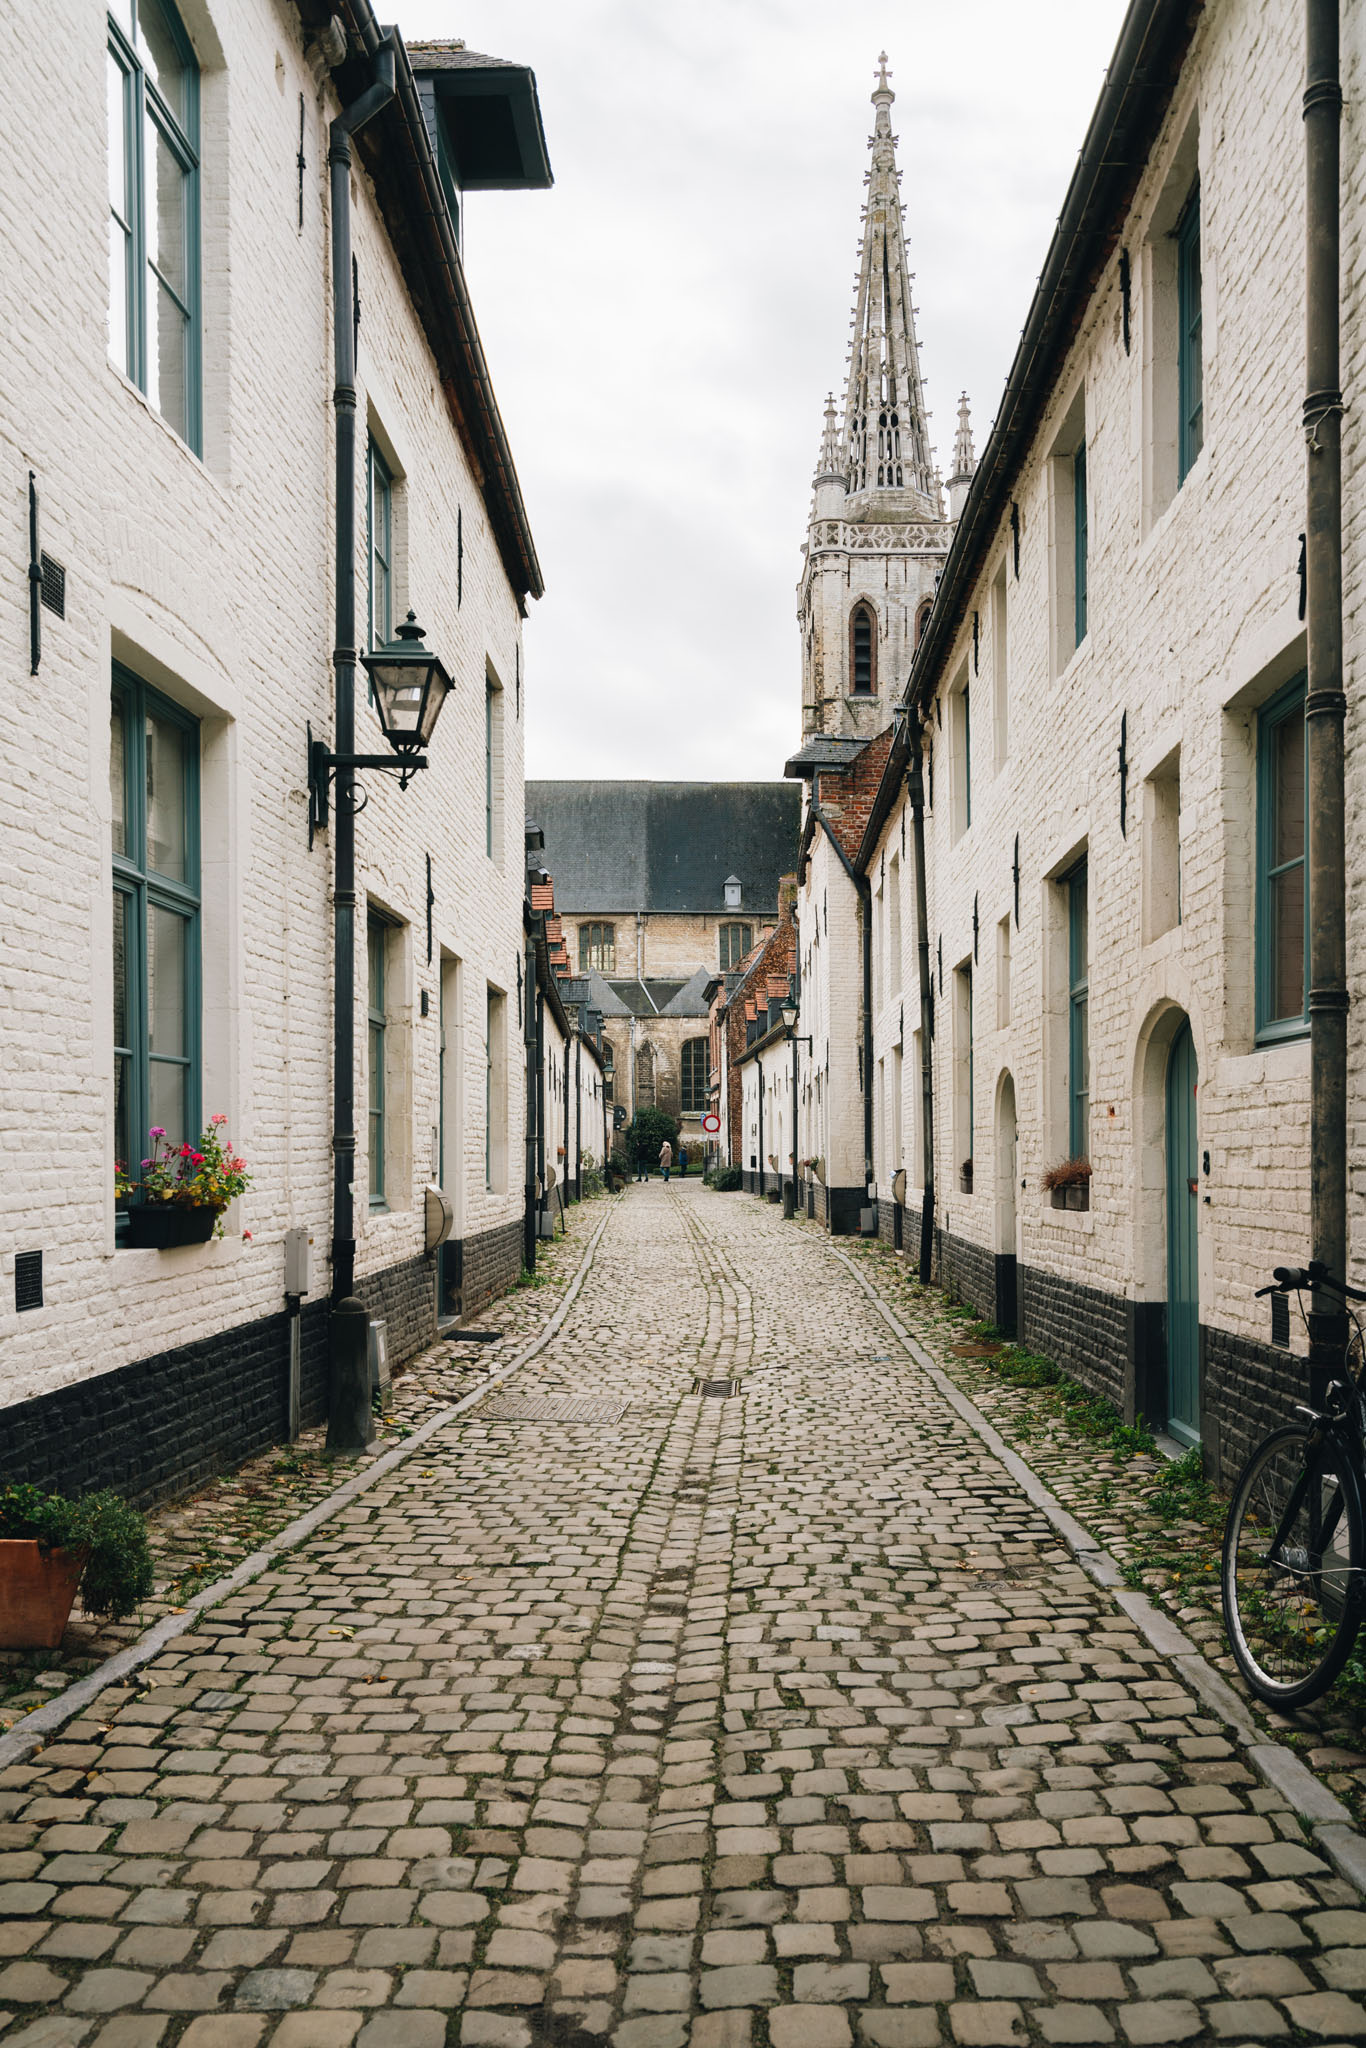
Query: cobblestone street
x=782, y=1718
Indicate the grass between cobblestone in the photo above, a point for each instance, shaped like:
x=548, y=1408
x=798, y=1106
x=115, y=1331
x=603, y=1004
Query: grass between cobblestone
x=204, y=1535
x=1159, y=1518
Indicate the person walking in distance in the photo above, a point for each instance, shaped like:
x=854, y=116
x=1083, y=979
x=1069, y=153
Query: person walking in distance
x=666, y=1158
x=682, y=1162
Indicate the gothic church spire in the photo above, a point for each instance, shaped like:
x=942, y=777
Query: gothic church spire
x=886, y=438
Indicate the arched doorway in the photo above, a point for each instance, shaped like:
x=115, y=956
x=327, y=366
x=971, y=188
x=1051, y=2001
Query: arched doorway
x=1183, y=1240
x=1007, y=1216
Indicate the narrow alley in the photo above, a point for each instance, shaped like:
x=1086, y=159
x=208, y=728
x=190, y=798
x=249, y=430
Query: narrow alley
x=623, y=1711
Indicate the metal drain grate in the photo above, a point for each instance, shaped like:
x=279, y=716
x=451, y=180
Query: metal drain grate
x=716, y=1390
x=552, y=1408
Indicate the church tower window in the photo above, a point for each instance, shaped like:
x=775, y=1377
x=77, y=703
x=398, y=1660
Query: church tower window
x=863, y=652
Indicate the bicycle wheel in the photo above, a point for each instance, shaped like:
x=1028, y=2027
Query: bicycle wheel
x=1293, y=1555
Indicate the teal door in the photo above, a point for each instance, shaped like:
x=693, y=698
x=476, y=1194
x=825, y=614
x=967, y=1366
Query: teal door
x=1183, y=1212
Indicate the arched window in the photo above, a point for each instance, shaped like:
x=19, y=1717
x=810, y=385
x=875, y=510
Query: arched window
x=153, y=85
x=863, y=652
x=922, y=619
x=696, y=1076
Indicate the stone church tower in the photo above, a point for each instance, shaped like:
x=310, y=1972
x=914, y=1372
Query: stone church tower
x=877, y=534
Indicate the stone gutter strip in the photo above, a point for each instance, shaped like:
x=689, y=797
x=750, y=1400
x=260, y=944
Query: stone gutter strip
x=1279, y=1767
x=32, y=1732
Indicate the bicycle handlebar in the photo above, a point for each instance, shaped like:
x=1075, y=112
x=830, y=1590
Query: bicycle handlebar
x=1294, y=1279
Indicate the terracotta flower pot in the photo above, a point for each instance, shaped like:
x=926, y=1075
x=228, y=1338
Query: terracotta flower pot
x=37, y=1590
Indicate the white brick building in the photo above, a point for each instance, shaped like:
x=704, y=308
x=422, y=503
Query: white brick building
x=1110, y=696
x=168, y=385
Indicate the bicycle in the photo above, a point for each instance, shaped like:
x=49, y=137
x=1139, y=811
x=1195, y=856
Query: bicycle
x=1293, y=1576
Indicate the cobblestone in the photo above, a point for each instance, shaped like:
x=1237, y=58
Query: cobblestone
x=782, y=1721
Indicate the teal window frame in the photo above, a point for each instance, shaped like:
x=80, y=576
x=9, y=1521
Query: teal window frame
x=967, y=754
x=145, y=114
x=488, y=768
x=695, y=1076
x=1190, y=364
x=379, y=484
x=138, y=892
x=377, y=930
x=1080, y=537
x=1077, y=885
x=490, y=1019
x=966, y=973
x=1272, y=720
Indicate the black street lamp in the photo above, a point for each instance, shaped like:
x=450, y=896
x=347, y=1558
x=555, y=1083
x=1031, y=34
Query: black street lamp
x=410, y=686
x=790, y=1012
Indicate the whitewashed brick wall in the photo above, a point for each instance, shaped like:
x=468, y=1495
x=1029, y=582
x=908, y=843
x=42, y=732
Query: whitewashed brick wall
x=213, y=579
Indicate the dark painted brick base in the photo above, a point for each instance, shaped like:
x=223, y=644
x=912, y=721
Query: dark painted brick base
x=1247, y=1390
x=162, y=1425
x=158, y=1427
x=491, y=1264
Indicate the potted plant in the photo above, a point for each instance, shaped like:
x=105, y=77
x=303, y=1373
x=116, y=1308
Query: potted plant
x=50, y=1546
x=1069, y=1184
x=965, y=1177
x=184, y=1188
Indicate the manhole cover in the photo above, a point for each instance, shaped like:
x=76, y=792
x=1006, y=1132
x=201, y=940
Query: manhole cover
x=474, y=1337
x=716, y=1390
x=552, y=1408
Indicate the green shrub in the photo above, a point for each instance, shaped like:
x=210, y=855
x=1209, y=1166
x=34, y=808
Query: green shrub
x=118, y=1573
x=645, y=1134
x=726, y=1179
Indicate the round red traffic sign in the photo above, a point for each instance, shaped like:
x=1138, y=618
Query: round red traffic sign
x=711, y=1123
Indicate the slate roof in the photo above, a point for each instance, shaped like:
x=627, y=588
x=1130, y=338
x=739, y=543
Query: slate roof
x=832, y=751
x=444, y=54
x=666, y=846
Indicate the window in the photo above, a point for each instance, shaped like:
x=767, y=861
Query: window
x=494, y=699
x=862, y=652
x=154, y=798
x=597, y=949
x=893, y=927
x=381, y=544
x=736, y=940
x=1003, y=973
x=1079, y=539
x=377, y=947
x=1282, y=868
x=696, y=1076
x=1000, y=667
x=964, y=1108
x=922, y=619
x=153, y=107
x=1190, y=367
x=1078, y=1034
x=960, y=735
x=1069, y=522
x=496, y=1093
x=488, y=769
x=1162, y=848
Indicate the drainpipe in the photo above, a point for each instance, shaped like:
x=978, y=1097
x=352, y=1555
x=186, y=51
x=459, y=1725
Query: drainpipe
x=1325, y=706
x=916, y=784
x=542, y=1200
x=348, y=121
x=759, y=1070
x=578, y=1119
x=863, y=889
x=349, y=1423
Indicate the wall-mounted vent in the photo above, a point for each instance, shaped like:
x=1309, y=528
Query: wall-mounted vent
x=54, y=585
x=1280, y=1321
x=28, y=1280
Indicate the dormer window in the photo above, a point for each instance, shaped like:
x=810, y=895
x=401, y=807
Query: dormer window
x=734, y=892
x=863, y=652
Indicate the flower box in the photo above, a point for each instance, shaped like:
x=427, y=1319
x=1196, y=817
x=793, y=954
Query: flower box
x=37, y=1591
x=158, y=1226
x=1076, y=1195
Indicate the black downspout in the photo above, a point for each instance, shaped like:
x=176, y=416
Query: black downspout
x=344, y=656
x=564, y=1175
x=578, y=1119
x=916, y=784
x=1325, y=707
x=863, y=889
x=531, y=1050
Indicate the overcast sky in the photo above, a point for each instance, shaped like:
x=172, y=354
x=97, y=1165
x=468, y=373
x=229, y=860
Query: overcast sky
x=663, y=326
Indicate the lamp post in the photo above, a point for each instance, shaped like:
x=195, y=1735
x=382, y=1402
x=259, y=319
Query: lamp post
x=790, y=1014
x=410, y=686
